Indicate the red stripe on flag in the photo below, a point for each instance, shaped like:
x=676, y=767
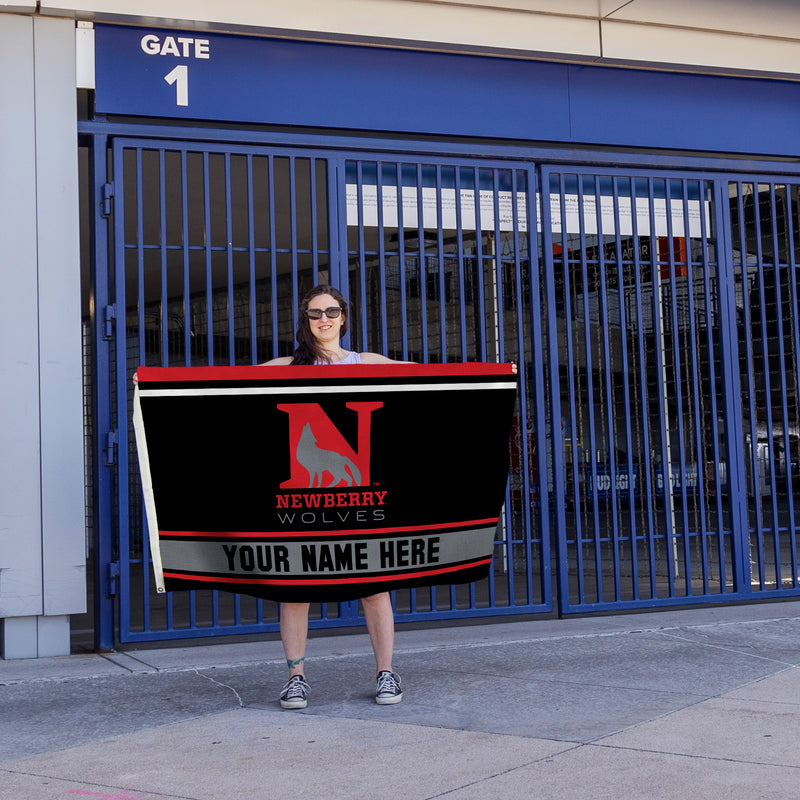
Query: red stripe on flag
x=357, y=372
x=312, y=534
x=326, y=581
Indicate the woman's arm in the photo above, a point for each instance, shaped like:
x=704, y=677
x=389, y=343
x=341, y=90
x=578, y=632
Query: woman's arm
x=283, y=361
x=377, y=358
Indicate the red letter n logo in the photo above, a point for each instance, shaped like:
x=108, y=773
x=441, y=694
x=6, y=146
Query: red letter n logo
x=320, y=456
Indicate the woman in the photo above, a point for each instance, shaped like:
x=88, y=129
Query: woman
x=322, y=321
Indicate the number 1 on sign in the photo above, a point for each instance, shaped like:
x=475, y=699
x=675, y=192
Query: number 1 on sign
x=180, y=77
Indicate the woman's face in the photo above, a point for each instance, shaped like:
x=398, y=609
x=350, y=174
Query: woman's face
x=325, y=330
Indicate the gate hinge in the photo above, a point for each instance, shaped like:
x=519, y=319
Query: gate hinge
x=108, y=193
x=113, y=574
x=111, y=446
x=109, y=315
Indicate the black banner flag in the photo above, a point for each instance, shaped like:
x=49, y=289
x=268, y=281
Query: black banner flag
x=323, y=483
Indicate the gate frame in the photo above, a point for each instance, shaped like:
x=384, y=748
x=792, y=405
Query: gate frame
x=100, y=133
x=730, y=377
x=108, y=268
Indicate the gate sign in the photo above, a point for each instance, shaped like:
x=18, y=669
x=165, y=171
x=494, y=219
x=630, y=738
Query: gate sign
x=323, y=484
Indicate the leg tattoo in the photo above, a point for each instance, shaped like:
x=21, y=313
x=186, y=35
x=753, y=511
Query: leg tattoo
x=294, y=662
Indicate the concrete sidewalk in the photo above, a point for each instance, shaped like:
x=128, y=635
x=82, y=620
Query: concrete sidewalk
x=701, y=703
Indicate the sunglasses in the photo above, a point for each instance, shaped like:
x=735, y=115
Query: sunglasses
x=330, y=313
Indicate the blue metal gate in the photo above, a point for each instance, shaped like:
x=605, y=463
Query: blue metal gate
x=653, y=315
x=673, y=333
x=765, y=241
x=212, y=247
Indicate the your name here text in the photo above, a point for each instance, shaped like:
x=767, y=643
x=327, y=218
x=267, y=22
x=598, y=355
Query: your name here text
x=333, y=556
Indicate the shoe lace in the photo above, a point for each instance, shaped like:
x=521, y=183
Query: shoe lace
x=388, y=684
x=296, y=687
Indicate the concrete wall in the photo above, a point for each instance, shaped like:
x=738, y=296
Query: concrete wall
x=42, y=525
x=727, y=36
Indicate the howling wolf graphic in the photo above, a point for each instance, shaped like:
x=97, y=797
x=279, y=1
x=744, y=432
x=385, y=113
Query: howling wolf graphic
x=317, y=461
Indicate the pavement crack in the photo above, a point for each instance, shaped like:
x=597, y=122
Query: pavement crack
x=141, y=793
x=220, y=683
x=743, y=650
x=504, y=772
x=701, y=756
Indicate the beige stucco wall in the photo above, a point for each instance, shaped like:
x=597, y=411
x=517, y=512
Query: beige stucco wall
x=723, y=36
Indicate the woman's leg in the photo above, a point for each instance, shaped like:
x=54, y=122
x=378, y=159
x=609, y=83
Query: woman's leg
x=294, y=633
x=379, y=616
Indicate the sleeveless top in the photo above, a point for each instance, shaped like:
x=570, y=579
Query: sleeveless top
x=351, y=358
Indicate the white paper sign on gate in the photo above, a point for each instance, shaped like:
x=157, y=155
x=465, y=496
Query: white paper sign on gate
x=443, y=203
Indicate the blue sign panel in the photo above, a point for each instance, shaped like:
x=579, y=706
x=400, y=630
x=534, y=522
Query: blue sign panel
x=227, y=78
x=626, y=480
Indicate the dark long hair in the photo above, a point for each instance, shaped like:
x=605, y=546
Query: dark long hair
x=308, y=350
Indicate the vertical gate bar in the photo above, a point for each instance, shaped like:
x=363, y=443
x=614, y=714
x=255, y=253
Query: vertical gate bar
x=753, y=455
x=623, y=326
x=230, y=311
x=187, y=313
x=162, y=247
x=336, y=179
x=122, y=390
x=215, y=609
x=336, y=186
x=361, y=258
x=546, y=366
x=187, y=310
x=339, y=255
x=645, y=483
x=504, y=528
x=440, y=258
x=460, y=267
x=251, y=259
x=554, y=385
x=251, y=264
x=165, y=349
x=383, y=346
x=208, y=258
x=423, y=266
x=575, y=430
x=677, y=377
x=663, y=411
x=791, y=265
x=782, y=372
x=480, y=263
x=401, y=272
x=696, y=393
x=498, y=301
x=573, y=399
x=516, y=219
x=229, y=259
x=604, y=322
x=767, y=379
x=314, y=233
x=481, y=334
x=498, y=270
x=715, y=318
x=293, y=229
x=273, y=259
x=587, y=339
x=102, y=379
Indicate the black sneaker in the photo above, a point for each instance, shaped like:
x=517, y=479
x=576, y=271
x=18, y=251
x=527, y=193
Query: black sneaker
x=295, y=693
x=389, y=689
